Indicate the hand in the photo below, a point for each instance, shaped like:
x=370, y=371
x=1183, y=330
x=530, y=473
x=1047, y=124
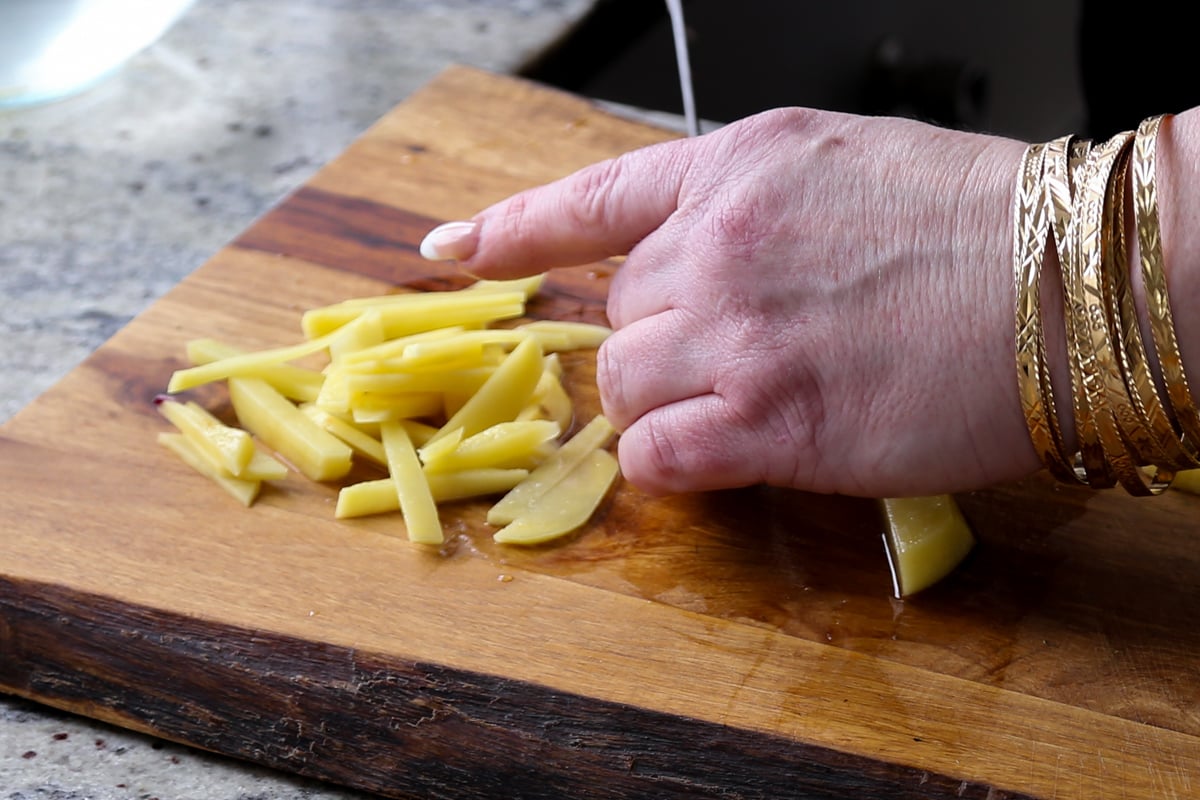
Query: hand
x=810, y=299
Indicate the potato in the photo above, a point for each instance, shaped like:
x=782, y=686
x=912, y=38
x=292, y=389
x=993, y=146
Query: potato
x=244, y=491
x=593, y=436
x=412, y=489
x=484, y=405
x=926, y=538
x=288, y=431
x=567, y=505
x=226, y=448
x=503, y=445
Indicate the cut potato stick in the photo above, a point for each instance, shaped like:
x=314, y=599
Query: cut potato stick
x=379, y=496
x=360, y=441
x=567, y=505
x=365, y=331
x=244, y=491
x=415, y=498
x=287, y=430
x=503, y=445
x=593, y=436
x=245, y=364
x=226, y=448
x=528, y=286
x=367, y=359
x=450, y=380
x=370, y=407
x=504, y=394
x=296, y=383
x=406, y=314
x=926, y=539
x=566, y=335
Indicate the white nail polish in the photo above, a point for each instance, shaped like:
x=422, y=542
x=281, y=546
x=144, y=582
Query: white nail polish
x=451, y=241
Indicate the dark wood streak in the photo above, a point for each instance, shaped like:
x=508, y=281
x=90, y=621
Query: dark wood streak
x=402, y=729
x=379, y=241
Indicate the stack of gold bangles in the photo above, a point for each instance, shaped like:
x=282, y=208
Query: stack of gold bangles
x=1073, y=193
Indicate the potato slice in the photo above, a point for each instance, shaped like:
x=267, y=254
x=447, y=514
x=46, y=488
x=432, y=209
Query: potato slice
x=927, y=537
x=503, y=395
x=593, y=436
x=359, y=440
x=287, y=430
x=563, y=335
x=503, y=445
x=379, y=496
x=529, y=286
x=405, y=314
x=412, y=489
x=227, y=448
x=245, y=364
x=567, y=505
x=244, y=491
x=295, y=383
x=1187, y=480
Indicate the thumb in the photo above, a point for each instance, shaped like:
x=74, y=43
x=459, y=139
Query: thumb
x=600, y=211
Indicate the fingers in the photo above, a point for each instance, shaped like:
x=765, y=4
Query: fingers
x=687, y=446
x=653, y=362
x=601, y=211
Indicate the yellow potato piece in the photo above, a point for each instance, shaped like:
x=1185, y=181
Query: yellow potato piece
x=364, y=331
x=244, y=491
x=358, y=439
x=449, y=380
x=563, y=335
x=505, y=444
x=593, y=436
x=369, y=359
x=287, y=430
x=295, y=383
x=567, y=505
x=927, y=537
x=528, y=286
x=245, y=364
x=1187, y=480
x=503, y=395
x=379, y=496
x=406, y=314
x=370, y=407
x=412, y=489
x=551, y=401
x=227, y=448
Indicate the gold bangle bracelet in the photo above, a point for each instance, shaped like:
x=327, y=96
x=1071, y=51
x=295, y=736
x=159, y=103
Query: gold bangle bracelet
x=1100, y=471
x=1133, y=426
x=1097, y=366
x=1148, y=432
x=1158, y=304
x=1030, y=229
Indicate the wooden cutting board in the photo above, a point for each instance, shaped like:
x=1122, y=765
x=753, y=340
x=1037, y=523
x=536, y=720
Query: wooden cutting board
x=734, y=644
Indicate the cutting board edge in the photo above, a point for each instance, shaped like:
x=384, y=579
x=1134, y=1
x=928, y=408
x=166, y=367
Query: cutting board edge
x=87, y=654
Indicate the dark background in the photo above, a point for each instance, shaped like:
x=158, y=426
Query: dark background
x=1029, y=69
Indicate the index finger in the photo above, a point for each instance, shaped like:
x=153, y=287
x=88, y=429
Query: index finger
x=602, y=210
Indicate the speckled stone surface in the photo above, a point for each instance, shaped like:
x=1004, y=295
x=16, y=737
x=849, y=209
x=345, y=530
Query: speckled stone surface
x=109, y=198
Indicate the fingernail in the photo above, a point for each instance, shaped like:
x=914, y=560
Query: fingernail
x=451, y=241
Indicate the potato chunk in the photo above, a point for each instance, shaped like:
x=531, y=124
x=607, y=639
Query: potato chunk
x=567, y=505
x=927, y=537
x=287, y=430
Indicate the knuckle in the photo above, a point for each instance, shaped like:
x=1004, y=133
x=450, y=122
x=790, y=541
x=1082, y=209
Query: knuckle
x=650, y=460
x=597, y=195
x=610, y=382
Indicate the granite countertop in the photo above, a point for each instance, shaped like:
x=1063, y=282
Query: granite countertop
x=109, y=198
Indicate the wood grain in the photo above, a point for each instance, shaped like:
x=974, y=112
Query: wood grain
x=735, y=644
